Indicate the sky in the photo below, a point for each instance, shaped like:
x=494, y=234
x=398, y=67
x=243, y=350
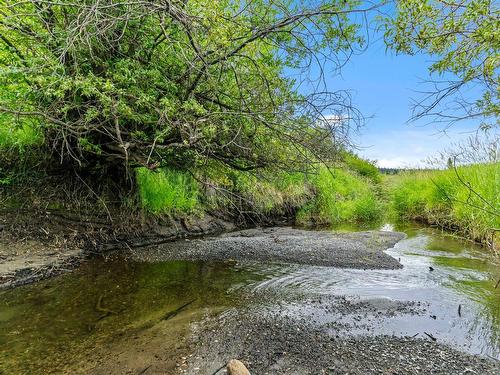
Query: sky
x=382, y=86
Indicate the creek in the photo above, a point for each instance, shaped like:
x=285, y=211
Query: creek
x=113, y=309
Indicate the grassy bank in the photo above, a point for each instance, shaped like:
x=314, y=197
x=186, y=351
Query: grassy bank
x=322, y=196
x=342, y=196
x=465, y=200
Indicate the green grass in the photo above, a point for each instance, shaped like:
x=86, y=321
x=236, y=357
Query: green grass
x=439, y=197
x=341, y=196
x=328, y=197
x=167, y=191
x=362, y=167
x=18, y=135
x=19, y=141
x=263, y=192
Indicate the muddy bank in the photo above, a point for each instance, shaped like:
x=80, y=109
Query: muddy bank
x=362, y=250
x=276, y=344
x=25, y=262
x=37, y=244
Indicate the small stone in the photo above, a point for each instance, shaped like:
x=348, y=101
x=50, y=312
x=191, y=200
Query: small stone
x=235, y=367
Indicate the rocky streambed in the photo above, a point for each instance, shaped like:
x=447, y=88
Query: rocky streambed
x=282, y=300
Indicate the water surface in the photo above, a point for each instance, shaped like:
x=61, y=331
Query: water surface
x=59, y=325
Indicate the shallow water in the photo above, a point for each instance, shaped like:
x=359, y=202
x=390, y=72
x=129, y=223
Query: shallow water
x=56, y=324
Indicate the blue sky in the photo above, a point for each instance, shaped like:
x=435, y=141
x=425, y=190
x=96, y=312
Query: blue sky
x=382, y=85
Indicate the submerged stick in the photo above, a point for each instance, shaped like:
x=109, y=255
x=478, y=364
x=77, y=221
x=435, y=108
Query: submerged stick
x=498, y=283
x=100, y=308
x=144, y=370
x=216, y=371
x=430, y=336
x=460, y=311
x=173, y=313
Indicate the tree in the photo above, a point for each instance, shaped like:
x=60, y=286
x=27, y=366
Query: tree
x=463, y=37
x=118, y=84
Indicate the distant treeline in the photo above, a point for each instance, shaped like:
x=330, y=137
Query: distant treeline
x=392, y=171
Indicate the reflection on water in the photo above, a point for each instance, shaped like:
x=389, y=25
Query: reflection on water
x=52, y=325
x=46, y=325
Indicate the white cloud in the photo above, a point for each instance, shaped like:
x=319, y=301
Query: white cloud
x=407, y=148
x=400, y=162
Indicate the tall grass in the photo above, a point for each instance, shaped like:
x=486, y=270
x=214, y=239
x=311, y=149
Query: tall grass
x=465, y=200
x=18, y=135
x=263, y=192
x=361, y=166
x=167, y=191
x=19, y=156
x=341, y=196
x=327, y=197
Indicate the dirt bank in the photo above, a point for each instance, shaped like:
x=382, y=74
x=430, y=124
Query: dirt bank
x=362, y=250
x=36, y=244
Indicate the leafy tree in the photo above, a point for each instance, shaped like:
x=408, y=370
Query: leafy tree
x=463, y=36
x=117, y=84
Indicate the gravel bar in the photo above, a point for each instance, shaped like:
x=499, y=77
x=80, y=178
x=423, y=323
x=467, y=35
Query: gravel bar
x=360, y=250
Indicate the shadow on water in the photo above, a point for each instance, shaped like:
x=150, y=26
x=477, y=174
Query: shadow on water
x=55, y=324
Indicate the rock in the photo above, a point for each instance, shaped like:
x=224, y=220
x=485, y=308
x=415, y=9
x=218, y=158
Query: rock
x=235, y=367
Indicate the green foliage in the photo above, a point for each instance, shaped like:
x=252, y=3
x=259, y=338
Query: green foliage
x=172, y=83
x=440, y=197
x=341, y=197
x=167, y=191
